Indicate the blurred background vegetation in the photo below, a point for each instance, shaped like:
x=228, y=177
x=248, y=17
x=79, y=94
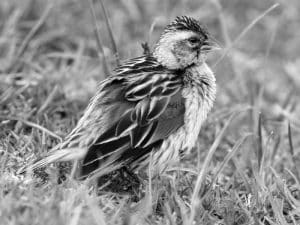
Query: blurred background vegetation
x=50, y=64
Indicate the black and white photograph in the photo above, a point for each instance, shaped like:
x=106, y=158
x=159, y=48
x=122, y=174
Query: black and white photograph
x=158, y=112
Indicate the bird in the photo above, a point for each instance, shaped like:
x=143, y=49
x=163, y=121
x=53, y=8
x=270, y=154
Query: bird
x=149, y=111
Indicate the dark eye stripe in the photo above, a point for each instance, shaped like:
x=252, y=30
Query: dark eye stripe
x=194, y=40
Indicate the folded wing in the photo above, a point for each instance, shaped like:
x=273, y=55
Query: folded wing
x=130, y=115
x=152, y=109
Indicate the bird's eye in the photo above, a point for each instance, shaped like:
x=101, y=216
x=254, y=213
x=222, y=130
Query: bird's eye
x=194, y=40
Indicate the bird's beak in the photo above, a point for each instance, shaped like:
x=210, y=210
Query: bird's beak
x=210, y=45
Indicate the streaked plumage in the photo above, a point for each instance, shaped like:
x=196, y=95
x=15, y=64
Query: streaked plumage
x=152, y=104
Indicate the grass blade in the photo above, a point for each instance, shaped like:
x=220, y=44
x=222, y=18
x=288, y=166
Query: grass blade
x=245, y=31
x=48, y=100
x=31, y=124
x=150, y=33
x=110, y=33
x=99, y=41
x=76, y=215
x=203, y=171
x=14, y=65
x=96, y=212
x=260, y=151
x=292, y=152
x=290, y=139
x=235, y=148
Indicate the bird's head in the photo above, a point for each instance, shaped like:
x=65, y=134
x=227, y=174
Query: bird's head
x=183, y=43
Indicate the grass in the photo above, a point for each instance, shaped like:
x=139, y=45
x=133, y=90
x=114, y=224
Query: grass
x=245, y=168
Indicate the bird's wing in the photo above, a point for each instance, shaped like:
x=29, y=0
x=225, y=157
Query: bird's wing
x=147, y=108
x=110, y=101
x=135, y=109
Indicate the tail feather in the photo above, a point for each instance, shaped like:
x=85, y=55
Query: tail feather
x=59, y=155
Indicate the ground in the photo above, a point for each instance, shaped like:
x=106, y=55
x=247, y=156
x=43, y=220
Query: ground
x=246, y=166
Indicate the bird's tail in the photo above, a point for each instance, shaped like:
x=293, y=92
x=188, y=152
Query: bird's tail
x=59, y=155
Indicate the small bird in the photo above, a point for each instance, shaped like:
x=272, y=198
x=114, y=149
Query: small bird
x=150, y=110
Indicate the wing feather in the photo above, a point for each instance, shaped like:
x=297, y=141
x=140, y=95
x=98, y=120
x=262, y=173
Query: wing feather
x=140, y=133
x=154, y=111
x=125, y=124
x=157, y=107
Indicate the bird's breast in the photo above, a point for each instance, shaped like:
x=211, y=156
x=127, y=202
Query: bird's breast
x=199, y=93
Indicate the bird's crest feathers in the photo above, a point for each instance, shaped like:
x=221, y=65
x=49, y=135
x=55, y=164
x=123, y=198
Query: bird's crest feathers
x=184, y=23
